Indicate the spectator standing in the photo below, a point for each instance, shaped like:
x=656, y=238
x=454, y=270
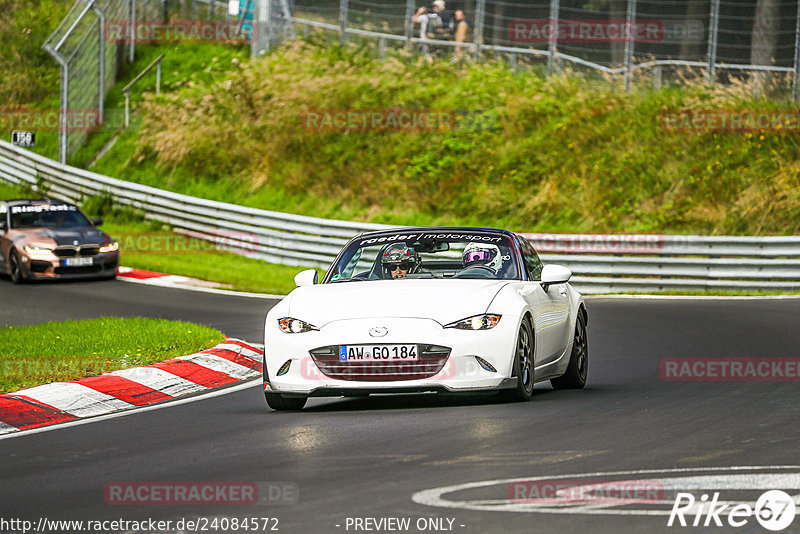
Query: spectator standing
x=435, y=23
x=463, y=27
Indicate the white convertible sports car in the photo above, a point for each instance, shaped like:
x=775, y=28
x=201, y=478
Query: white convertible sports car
x=448, y=310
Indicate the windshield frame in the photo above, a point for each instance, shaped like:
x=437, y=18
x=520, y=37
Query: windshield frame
x=39, y=208
x=408, y=236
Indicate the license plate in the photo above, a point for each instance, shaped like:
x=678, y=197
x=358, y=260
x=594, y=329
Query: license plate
x=76, y=262
x=378, y=353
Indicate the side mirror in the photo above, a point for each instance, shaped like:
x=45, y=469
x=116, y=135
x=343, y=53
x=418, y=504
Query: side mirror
x=306, y=278
x=97, y=221
x=555, y=274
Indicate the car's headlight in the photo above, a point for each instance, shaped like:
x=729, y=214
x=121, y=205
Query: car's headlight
x=38, y=251
x=290, y=325
x=477, y=322
x=111, y=247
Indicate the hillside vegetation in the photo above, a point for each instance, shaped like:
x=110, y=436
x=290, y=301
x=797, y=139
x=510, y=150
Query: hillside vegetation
x=564, y=153
x=29, y=74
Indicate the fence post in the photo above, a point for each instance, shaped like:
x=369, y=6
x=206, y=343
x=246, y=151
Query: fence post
x=343, y=5
x=480, y=17
x=262, y=28
x=631, y=20
x=553, y=40
x=409, y=24
x=713, y=31
x=211, y=8
x=132, y=46
x=797, y=55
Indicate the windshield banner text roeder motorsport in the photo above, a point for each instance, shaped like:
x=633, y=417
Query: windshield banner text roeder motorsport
x=431, y=236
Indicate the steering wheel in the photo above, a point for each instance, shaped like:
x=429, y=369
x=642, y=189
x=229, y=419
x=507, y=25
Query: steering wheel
x=477, y=271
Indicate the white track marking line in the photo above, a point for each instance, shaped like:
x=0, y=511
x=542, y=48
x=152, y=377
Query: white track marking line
x=434, y=497
x=253, y=355
x=135, y=410
x=75, y=399
x=159, y=380
x=221, y=365
x=4, y=428
x=154, y=282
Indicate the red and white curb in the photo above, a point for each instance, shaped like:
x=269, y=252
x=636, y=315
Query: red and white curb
x=152, y=278
x=163, y=279
x=227, y=363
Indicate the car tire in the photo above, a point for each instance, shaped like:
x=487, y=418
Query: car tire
x=280, y=403
x=578, y=368
x=15, y=268
x=523, y=365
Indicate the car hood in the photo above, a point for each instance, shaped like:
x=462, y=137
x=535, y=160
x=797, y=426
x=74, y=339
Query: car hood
x=65, y=236
x=444, y=301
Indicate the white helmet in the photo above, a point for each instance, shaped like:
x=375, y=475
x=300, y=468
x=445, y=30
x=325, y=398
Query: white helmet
x=482, y=254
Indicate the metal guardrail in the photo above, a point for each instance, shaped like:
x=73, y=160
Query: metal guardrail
x=601, y=263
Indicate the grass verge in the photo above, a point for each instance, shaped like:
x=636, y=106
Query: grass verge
x=70, y=350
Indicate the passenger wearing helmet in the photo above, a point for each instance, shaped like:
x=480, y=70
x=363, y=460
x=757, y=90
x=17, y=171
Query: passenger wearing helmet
x=482, y=255
x=398, y=260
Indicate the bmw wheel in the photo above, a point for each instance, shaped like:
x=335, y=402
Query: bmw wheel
x=575, y=376
x=523, y=365
x=14, y=267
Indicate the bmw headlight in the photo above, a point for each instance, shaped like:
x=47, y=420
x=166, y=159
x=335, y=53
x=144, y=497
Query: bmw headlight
x=476, y=322
x=38, y=251
x=111, y=247
x=290, y=325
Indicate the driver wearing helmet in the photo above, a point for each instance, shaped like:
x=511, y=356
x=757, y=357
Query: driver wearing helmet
x=477, y=255
x=398, y=260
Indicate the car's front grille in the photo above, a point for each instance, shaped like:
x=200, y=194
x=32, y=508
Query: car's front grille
x=65, y=252
x=68, y=251
x=431, y=360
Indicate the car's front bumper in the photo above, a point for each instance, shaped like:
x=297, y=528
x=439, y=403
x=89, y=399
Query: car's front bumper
x=52, y=267
x=461, y=372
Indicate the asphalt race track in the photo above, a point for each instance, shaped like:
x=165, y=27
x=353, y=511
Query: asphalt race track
x=360, y=461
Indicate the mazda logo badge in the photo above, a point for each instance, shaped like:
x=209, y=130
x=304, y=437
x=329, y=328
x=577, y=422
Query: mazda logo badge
x=379, y=331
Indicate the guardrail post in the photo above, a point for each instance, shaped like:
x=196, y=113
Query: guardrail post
x=552, y=42
x=382, y=48
x=797, y=55
x=480, y=18
x=343, y=6
x=158, y=78
x=409, y=24
x=713, y=33
x=512, y=61
x=631, y=20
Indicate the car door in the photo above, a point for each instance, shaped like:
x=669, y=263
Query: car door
x=551, y=319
